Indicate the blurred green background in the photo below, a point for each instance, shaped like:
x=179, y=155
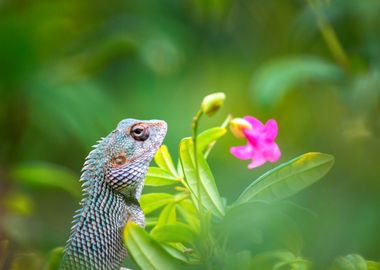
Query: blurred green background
x=71, y=70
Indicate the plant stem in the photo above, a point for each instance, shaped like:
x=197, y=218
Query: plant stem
x=202, y=217
x=329, y=35
x=194, y=136
x=224, y=125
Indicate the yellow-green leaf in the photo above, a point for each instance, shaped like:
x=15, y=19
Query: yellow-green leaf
x=159, y=177
x=172, y=233
x=168, y=215
x=164, y=160
x=189, y=213
x=151, y=221
x=208, y=136
x=147, y=252
x=288, y=178
x=175, y=252
x=209, y=195
x=152, y=201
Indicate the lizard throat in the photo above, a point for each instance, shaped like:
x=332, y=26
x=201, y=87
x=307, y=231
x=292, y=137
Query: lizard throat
x=96, y=238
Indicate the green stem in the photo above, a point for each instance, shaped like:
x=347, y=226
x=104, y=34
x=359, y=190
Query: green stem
x=194, y=136
x=202, y=216
x=183, y=182
x=224, y=125
x=329, y=35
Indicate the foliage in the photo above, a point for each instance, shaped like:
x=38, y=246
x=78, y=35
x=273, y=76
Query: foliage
x=201, y=228
x=70, y=70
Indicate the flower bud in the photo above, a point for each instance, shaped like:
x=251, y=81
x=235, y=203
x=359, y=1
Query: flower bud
x=237, y=125
x=212, y=103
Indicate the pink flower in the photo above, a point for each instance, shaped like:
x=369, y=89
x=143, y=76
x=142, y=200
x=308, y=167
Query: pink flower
x=260, y=142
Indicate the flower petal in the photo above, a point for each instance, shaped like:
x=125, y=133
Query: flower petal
x=270, y=130
x=256, y=123
x=253, y=136
x=257, y=161
x=242, y=152
x=261, y=146
x=272, y=152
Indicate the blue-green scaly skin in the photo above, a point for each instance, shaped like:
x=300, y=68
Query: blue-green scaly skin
x=111, y=192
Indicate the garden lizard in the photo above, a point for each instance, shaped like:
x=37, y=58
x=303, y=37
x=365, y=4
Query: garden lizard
x=113, y=177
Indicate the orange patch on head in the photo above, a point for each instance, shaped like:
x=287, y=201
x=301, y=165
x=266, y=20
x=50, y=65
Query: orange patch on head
x=119, y=160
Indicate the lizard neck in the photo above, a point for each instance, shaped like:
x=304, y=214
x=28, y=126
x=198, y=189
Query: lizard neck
x=96, y=237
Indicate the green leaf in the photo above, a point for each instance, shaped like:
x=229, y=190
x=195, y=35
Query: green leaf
x=179, y=169
x=151, y=221
x=152, y=201
x=175, y=252
x=189, y=213
x=279, y=259
x=274, y=79
x=159, y=177
x=210, y=197
x=350, y=262
x=177, y=232
x=164, y=160
x=288, y=178
x=147, y=252
x=45, y=175
x=168, y=215
x=208, y=136
x=54, y=259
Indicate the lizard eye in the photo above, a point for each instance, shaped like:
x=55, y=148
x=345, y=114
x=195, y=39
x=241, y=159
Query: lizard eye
x=140, y=132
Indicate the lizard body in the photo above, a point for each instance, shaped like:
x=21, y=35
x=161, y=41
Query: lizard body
x=113, y=177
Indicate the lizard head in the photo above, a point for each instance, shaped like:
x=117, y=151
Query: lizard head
x=122, y=158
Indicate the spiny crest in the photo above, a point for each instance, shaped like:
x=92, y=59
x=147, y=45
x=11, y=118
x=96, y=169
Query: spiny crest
x=93, y=162
x=92, y=167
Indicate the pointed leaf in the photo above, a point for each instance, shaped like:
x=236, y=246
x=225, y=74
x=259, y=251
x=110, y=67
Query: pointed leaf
x=164, y=160
x=152, y=201
x=288, y=178
x=189, y=213
x=178, y=232
x=210, y=197
x=175, y=252
x=208, y=136
x=146, y=252
x=168, y=215
x=159, y=177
